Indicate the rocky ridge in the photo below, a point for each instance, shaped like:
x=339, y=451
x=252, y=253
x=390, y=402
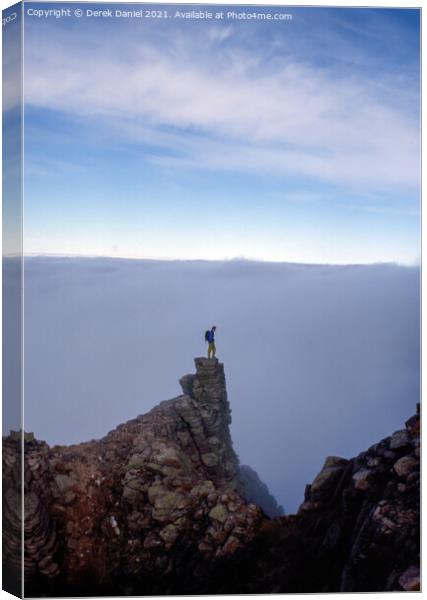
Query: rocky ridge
x=158, y=507
x=358, y=529
x=256, y=491
x=153, y=502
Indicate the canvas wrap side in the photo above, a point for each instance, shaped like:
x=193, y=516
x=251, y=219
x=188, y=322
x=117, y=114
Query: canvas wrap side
x=12, y=296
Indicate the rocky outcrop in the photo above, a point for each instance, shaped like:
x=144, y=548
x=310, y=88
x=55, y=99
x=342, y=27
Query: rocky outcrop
x=158, y=506
x=12, y=516
x=375, y=504
x=357, y=530
x=257, y=492
x=150, y=507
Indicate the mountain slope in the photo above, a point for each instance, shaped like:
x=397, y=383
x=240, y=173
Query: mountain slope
x=158, y=506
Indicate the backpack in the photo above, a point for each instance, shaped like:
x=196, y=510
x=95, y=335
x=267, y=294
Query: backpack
x=207, y=334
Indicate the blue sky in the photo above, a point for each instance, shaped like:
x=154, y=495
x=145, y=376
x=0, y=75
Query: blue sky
x=284, y=141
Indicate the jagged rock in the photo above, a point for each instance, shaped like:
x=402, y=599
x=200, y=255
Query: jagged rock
x=231, y=545
x=361, y=479
x=405, y=465
x=413, y=426
x=169, y=533
x=399, y=439
x=210, y=459
x=324, y=483
x=356, y=531
x=151, y=484
x=410, y=579
x=64, y=482
x=219, y=513
x=158, y=506
x=204, y=488
x=256, y=492
x=166, y=504
x=373, y=462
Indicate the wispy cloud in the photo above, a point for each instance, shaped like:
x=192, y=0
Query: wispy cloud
x=12, y=62
x=231, y=110
x=219, y=34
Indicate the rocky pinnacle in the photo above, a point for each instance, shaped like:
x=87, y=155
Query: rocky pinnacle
x=158, y=506
x=123, y=511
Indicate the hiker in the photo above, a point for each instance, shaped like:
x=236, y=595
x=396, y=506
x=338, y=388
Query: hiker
x=210, y=338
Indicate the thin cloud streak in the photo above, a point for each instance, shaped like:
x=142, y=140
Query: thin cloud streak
x=292, y=119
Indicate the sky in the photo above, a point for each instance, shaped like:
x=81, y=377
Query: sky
x=11, y=138
x=188, y=139
x=286, y=142
x=319, y=360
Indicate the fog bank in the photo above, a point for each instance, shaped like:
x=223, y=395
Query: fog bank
x=319, y=360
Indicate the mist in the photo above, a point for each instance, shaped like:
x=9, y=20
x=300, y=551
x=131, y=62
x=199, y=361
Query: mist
x=319, y=360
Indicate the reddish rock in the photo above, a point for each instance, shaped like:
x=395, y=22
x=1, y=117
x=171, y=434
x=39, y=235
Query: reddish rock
x=405, y=465
x=157, y=507
x=410, y=579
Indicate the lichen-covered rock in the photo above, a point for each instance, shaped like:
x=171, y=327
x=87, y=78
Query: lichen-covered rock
x=405, y=465
x=64, y=482
x=158, y=506
x=167, y=504
x=154, y=490
x=219, y=513
x=324, y=484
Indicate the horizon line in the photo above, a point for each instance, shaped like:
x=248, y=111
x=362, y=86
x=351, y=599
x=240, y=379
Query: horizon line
x=211, y=260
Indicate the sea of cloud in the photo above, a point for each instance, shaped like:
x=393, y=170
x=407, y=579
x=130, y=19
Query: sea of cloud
x=319, y=360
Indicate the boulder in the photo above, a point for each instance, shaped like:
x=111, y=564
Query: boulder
x=324, y=483
x=399, y=439
x=410, y=579
x=361, y=479
x=210, y=459
x=166, y=503
x=405, y=465
x=65, y=482
x=219, y=513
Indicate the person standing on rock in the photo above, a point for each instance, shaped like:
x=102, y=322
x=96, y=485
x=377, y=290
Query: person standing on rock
x=210, y=338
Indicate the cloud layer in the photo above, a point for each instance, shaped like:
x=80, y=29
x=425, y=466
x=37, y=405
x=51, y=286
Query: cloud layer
x=319, y=360
x=225, y=106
